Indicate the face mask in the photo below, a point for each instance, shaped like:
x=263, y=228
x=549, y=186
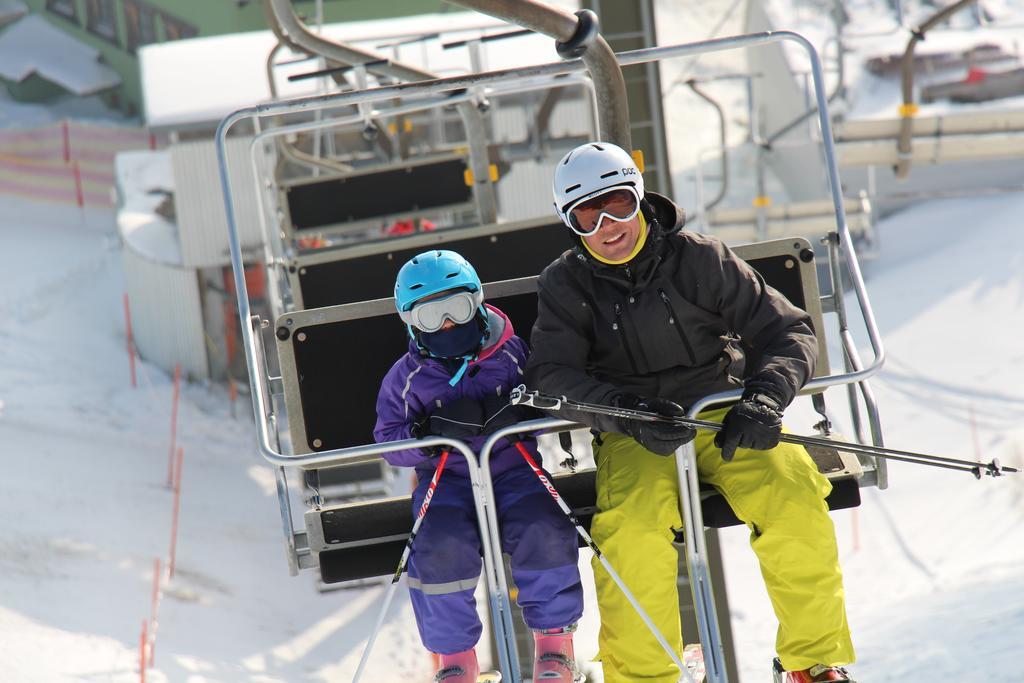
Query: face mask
x=455, y=342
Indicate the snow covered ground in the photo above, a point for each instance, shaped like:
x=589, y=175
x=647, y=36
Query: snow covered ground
x=934, y=565
x=934, y=568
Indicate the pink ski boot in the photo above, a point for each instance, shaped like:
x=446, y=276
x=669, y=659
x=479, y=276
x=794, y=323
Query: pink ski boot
x=554, y=660
x=460, y=667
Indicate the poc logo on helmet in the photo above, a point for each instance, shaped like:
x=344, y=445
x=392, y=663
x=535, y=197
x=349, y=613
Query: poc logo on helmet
x=629, y=171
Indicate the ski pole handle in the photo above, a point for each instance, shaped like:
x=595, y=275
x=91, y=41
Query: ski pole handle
x=520, y=396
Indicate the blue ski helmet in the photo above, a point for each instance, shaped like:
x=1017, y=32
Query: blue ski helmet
x=432, y=272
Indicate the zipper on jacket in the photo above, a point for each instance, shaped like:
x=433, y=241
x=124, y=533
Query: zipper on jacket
x=617, y=325
x=674, y=319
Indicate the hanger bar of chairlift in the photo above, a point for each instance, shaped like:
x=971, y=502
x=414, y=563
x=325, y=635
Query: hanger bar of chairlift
x=487, y=39
x=521, y=396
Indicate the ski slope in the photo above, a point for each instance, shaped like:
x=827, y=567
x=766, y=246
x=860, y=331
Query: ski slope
x=934, y=570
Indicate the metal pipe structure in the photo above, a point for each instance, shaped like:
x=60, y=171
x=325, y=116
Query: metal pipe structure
x=852, y=363
x=289, y=151
x=267, y=213
x=293, y=32
x=908, y=109
x=551, y=425
x=580, y=36
x=839, y=89
x=253, y=324
x=501, y=613
x=723, y=184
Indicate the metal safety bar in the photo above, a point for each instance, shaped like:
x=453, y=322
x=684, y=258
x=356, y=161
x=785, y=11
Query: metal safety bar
x=507, y=652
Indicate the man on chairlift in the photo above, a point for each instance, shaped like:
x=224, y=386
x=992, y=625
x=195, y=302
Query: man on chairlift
x=641, y=314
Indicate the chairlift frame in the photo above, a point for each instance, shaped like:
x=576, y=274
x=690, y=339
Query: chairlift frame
x=840, y=245
x=279, y=251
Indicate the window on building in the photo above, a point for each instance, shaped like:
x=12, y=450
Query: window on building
x=176, y=29
x=63, y=8
x=101, y=20
x=140, y=24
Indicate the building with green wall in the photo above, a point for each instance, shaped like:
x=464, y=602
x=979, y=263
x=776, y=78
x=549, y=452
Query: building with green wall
x=117, y=28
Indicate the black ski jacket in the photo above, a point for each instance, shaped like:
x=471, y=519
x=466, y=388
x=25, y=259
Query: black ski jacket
x=681, y=320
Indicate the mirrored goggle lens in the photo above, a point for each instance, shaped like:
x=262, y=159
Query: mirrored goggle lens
x=620, y=205
x=429, y=316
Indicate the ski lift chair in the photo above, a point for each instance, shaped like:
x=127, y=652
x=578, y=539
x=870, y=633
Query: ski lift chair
x=361, y=539
x=313, y=323
x=355, y=541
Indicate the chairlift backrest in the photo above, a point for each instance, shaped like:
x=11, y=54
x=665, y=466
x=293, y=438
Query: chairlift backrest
x=367, y=197
x=504, y=251
x=333, y=359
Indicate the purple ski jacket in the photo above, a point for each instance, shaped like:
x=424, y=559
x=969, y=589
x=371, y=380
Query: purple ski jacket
x=415, y=386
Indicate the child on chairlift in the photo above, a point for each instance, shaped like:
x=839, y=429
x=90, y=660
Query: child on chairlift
x=454, y=381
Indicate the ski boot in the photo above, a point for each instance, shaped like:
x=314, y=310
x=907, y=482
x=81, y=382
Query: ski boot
x=554, y=660
x=815, y=674
x=460, y=667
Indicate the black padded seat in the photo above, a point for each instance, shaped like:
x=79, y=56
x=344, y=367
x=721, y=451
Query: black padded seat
x=370, y=535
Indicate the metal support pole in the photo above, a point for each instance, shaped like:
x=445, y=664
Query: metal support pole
x=612, y=103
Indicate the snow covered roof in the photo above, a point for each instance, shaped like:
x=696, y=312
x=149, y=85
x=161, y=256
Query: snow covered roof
x=199, y=81
x=33, y=45
x=144, y=180
x=11, y=10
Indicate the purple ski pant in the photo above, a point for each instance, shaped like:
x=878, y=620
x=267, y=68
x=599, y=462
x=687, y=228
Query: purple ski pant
x=445, y=563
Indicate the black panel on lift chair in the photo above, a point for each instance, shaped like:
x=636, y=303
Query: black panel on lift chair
x=343, y=200
x=340, y=366
x=502, y=256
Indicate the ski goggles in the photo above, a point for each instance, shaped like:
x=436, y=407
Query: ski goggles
x=429, y=316
x=620, y=203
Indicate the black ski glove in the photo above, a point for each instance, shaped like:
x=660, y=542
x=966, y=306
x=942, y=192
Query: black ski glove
x=498, y=413
x=463, y=418
x=755, y=422
x=662, y=438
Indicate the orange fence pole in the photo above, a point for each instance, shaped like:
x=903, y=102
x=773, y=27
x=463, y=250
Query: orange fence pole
x=142, y=654
x=174, y=514
x=174, y=423
x=130, y=338
x=77, y=172
x=66, y=132
x=154, y=608
x=232, y=394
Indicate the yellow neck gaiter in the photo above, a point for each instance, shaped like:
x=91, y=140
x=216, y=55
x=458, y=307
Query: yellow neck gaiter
x=640, y=241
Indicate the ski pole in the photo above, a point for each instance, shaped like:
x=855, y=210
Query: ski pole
x=401, y=564
x=521, y=396
x=597, y=553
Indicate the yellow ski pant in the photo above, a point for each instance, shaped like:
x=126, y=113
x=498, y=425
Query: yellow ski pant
x=778, y=494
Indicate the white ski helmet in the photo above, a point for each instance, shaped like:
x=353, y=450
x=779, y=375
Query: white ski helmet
x=589, y=170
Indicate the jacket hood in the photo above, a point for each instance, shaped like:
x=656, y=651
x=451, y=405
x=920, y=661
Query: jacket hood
x=669, y=217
